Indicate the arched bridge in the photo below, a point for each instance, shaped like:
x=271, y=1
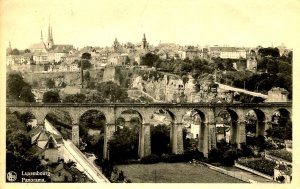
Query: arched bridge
x=208, y=113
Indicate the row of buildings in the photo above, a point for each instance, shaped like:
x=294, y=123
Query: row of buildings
x=121, y=54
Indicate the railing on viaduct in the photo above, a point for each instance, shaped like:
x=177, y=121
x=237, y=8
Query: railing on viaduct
x=200, y=104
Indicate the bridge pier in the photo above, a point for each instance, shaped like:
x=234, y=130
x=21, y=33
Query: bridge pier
x=177, y=138
x=212, y=137
x=179, y=145
x=203, y=139
x=75, y=134
x=108, y=132
x=145, y=140
x=241, y=133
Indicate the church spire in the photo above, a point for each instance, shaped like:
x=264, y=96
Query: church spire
x=49, y=32
x=41, y=35
x=50, y=42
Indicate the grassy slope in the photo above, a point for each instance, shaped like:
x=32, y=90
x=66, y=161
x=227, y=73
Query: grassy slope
x=174, y=173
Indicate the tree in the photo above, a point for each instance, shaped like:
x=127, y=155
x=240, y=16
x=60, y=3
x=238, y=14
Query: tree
x=87, y=76
x=50, y=83
x=273, y=52
x=18, y=89
x=18, y=143
x=26, y=95
x=15, y=52
x=14, y=83
x=27, y=51
x=95, y=98
x=272, y=66
x=160, y=139
x=93, y=120
x=75, y=98
x=86, y=64
x=85, y=61
x=86, y=56
x=149, y=59
x=112, y=91
x=51, y=97
x=124, y=144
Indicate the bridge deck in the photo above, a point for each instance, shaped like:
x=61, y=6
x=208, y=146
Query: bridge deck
x=171, y=105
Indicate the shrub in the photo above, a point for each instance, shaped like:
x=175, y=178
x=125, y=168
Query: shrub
x=283, y=154
x=261, y=165
x=214, y=155
x=229, y=157
x=150, y=159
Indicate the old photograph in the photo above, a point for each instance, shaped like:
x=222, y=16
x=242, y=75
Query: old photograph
x=148, y=91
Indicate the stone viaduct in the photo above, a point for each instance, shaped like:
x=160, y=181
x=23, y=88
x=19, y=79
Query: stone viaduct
x=207, y=111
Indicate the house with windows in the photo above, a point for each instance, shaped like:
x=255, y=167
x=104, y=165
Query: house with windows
x=47, y=146
x=227, y=52
x=63, y=172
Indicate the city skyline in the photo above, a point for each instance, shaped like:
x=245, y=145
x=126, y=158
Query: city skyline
x=94, y=23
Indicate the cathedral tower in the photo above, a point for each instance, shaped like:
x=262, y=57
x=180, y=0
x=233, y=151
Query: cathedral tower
x=144, y=42
x=50, y=42
x=41, y=36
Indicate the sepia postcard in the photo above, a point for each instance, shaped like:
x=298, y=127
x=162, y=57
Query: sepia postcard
x=131, y=93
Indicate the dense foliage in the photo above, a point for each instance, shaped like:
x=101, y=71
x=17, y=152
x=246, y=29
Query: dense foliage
x=18, y=89
x=281, y=131
x=261, y=165
x=86, y=64
x=124, y=144
x=18, y=143
x=160, y=139
x=75, y=98
x=62, y=122
x=94, y=121
x=226, y=154
x=282, y=153
x=51, y=97
x=149, y=59
x=112, y=92
x=50, y=83
x=269, y=51
x=274, y=73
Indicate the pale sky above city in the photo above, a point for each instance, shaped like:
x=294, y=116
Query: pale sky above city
x=98, y=23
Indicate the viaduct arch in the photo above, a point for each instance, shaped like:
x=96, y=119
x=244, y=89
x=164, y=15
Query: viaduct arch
x=207, y=111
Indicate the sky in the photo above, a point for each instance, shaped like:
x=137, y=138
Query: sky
x=187, y=22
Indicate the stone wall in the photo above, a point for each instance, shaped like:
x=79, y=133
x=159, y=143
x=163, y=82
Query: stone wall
x=173, y=89
x=110, y=74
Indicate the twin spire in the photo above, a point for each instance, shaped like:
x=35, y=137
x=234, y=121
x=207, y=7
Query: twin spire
x=50, y=41
x=50, y=37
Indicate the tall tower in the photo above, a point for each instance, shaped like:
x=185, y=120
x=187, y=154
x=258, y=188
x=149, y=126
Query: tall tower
x=50, y=42
x=144, y=42
x=41, y=35
x=9, y=49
